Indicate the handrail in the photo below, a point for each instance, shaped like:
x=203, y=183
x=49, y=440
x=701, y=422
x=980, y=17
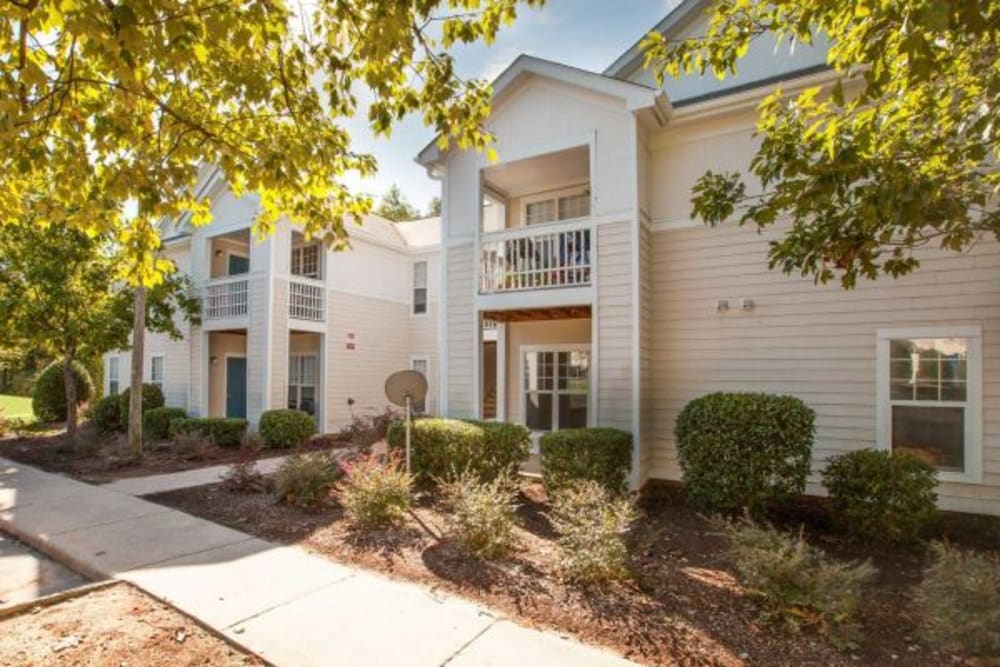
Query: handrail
x=534, y=230
x=542, y=257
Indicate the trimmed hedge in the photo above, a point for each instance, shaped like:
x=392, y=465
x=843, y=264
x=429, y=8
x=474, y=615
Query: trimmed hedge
x=156, y=422
x=286, y=428
x=222, y=431
x=105, y=414
x=602, y=455
x=744, y=450
x=441, y=449
x=48, y=401
x=881, y=495
x=152, y=397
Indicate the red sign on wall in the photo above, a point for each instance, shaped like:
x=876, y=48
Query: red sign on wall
x=351, y=340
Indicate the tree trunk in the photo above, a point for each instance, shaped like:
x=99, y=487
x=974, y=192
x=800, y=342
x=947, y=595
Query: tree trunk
x=135, y=384
x=69, y=382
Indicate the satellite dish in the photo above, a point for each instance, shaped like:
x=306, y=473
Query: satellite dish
x=403, y=388
x=403, y=385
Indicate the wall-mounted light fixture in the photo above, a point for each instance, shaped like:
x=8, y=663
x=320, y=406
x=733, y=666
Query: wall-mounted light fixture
x=218, y=253
x=213, y=360
x=746, y=304
x=722, y=305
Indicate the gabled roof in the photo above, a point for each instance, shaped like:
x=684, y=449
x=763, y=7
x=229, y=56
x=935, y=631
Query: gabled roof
x=673, y=20
x=422, y=233
x=636, y=95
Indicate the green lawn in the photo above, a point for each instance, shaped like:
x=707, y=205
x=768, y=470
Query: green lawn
x=16, y=407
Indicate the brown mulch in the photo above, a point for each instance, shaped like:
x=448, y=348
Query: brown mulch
x=112, y=626
x=682, y=607
x=104, y=457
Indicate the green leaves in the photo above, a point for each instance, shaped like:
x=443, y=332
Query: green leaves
x=899, y=151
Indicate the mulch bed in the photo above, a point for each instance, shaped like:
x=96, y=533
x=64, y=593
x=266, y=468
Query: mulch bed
x=117, y=625
x=682, y=607
x=104, y=457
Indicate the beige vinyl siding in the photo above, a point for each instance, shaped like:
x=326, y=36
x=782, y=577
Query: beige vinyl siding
x=279, y=344
x=645, y=352
x=381, y=348
x=817, y=342
x=176, y=365
x=614, y=325
x=424, y=345
x=460, y=317
x=196, y=376
x=258, y=340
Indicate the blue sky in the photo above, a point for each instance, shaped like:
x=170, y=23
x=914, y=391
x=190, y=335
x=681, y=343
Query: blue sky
x=584, y=33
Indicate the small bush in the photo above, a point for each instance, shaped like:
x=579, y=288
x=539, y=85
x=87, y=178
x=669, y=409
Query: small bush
x=482, y=514
x=4, y=425
x=959, y=600
x=881, y=495
x=192, y=446
x=741, y=450
x=286, y=428
x=221, y=431
x=375, y=493
x=305, y=480
x=244, y=477
x=795, y=582
x=105, y=415
x=602, y=455
x=365, y=430
x=592, y=522
x=152, y=397
x=48, y=400
x=441, y=449
x=156, y=422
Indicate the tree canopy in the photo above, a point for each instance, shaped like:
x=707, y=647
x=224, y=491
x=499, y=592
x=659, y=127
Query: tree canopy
x=394, y=206
x=900, y=151
x=434, y=208
x=105, y=102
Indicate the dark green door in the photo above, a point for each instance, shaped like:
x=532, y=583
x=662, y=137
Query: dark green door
x=236, y=387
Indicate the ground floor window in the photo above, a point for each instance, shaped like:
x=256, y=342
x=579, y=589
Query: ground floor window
x=929, y=396
x=114, y=381
x=556, y=387
x=156, y=371
x=303, y=371
x=420, y=364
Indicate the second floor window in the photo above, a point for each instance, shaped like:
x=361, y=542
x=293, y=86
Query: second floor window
x=568, y=207
x=305, y=261
x=156, y=371
x=419, y=288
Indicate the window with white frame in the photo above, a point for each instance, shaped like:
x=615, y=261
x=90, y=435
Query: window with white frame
x=303, y=372
x=156, y=371
x=421, y=365
x=556, y=388
x=567, y=207
x=929, y=396
x=305, y=261
x=114, y=381
x=419, y=288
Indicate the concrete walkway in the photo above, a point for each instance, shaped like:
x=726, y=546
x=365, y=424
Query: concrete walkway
x=282, y=603
x=26, y=575
x=150, y=484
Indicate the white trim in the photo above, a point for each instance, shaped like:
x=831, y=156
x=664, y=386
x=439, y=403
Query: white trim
x=636, y=233
x=163, y=370
x=414, y=288
x=501, y=371
x=539, y=298
x=973, y=404
x=540, y=149
x=664, y=225
x=443, y=301
x=477, y=319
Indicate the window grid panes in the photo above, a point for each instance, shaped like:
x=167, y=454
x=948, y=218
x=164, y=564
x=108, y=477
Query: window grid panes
x=303, y=372
x=556, y=389
x=539, y=212
x=928, y=391
x=156, y=371
x=419, y=288
x=305, y=261
x=574, y=206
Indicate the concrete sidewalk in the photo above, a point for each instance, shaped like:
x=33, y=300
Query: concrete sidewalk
x=288, y=606
x=150, y=484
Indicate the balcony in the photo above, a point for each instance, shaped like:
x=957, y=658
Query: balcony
x=226, y=298
x=306, y=299
x=532, y=258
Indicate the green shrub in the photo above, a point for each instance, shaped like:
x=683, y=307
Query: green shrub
x=796, y=583
x=286, y=428
x=305, y=480
x=742, y=450
x=482, y=514
x=375, y=493
x=602, y=455
x=244, y=477
x=192, y=446
x=365, y=430
x=152, y=397
x=592, y=522
x=881, y=495
x=441, y=449
x=49, y=398
x=959, y=600
x=104, y=413
x=156, y=422
x=221, y=431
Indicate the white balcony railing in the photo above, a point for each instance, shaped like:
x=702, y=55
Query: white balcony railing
x=226, y=298
x=530, y=258
x=305, y=300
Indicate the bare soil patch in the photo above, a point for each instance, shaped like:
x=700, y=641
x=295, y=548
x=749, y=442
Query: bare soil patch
x=682, y=607
x=104, y=457
x=112, y=626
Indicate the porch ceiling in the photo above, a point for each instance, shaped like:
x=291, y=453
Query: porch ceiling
x=538, y=314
